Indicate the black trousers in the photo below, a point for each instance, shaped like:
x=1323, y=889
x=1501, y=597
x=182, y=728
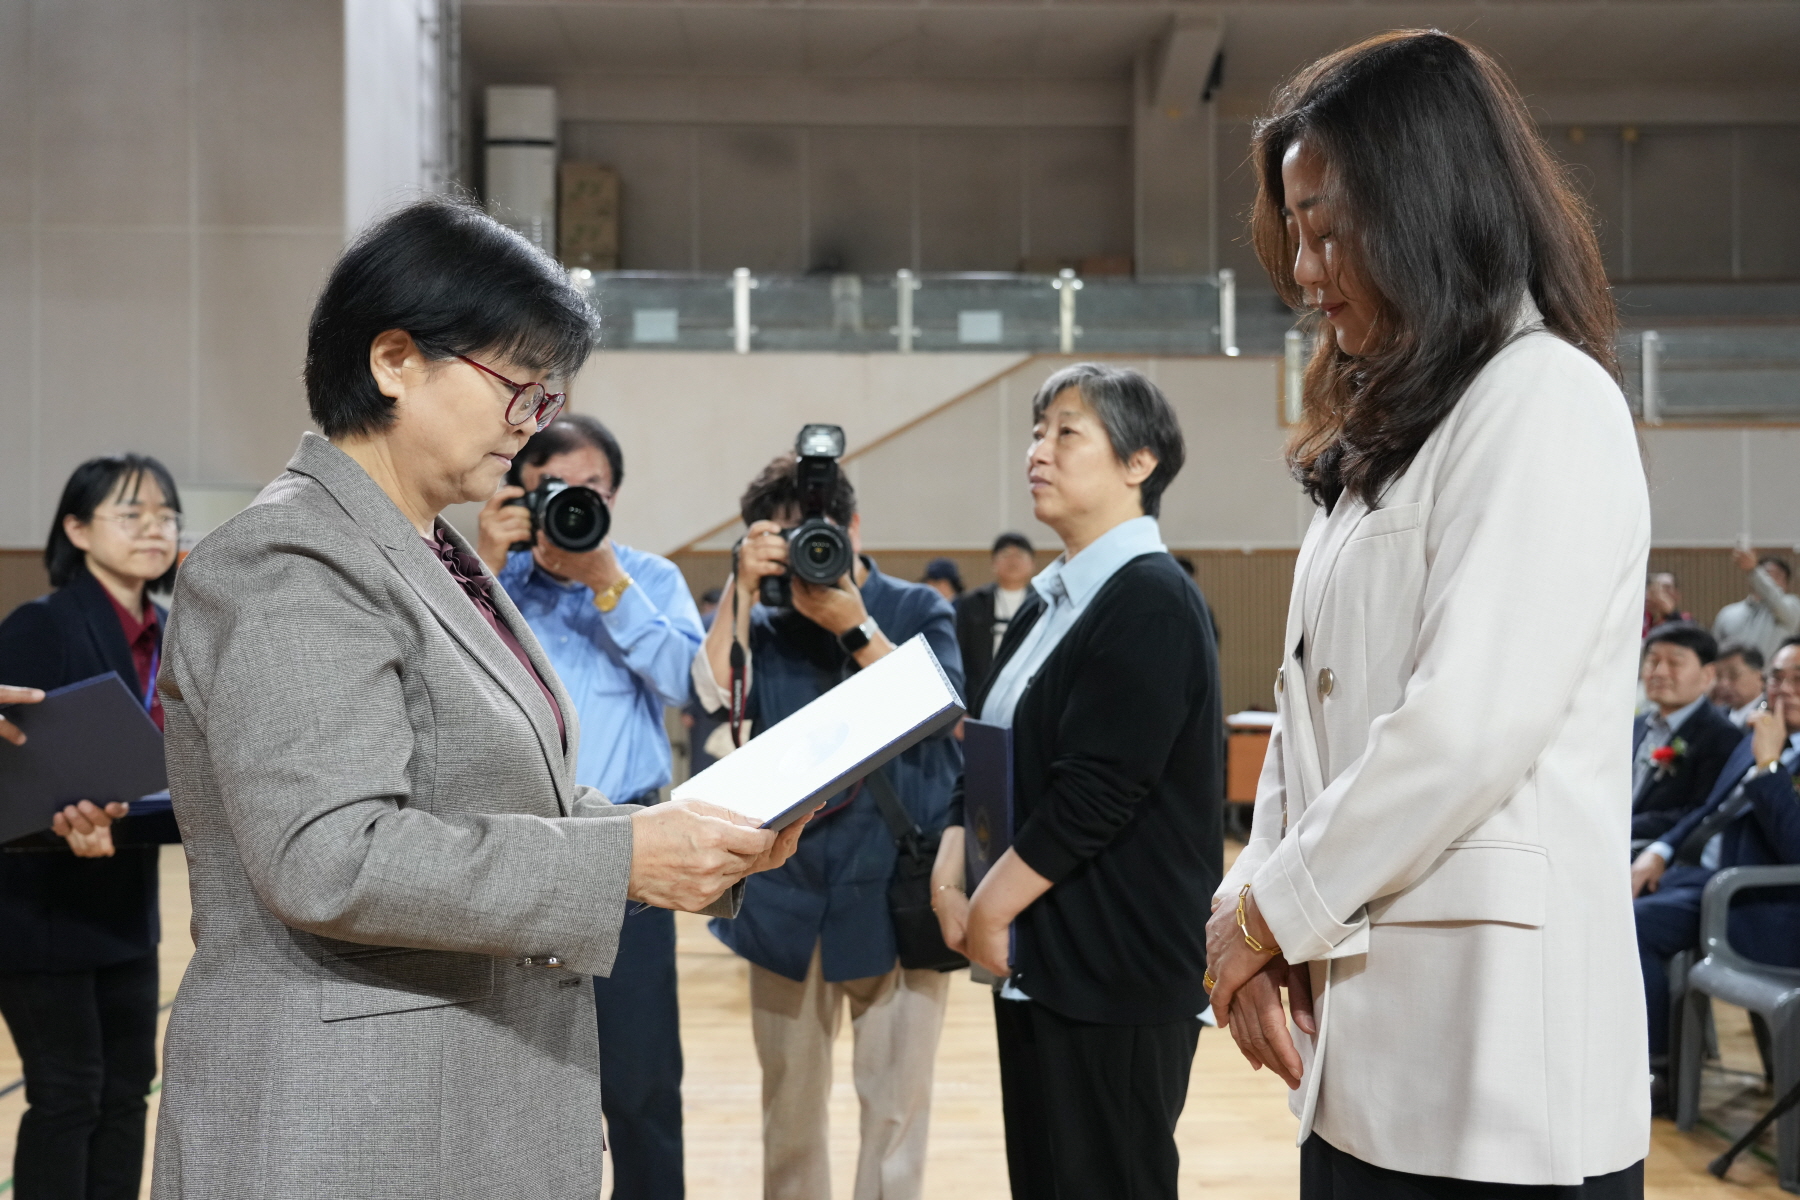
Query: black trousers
x=87, y=1040
x=1327, y=1173
x=640, y=1060
x=1091, y=1109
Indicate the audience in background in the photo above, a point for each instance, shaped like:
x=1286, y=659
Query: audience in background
x=817, y=932
x=78, y=911
x=1738, y=682
x=619, y=626
x=942, y=575
x=1662, y=601
x=982, y=615
x=1749, y=819
x=1679, y=746
x=1769, y=614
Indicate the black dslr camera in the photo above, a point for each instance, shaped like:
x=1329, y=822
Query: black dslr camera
x=573, y=518
x=818, y=551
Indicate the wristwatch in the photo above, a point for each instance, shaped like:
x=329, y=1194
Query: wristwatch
x=853, y=640
x=608, y=600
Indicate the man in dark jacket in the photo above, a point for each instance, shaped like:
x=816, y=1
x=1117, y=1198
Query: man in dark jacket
x=983, y=613
x=1752, y=818
x=1679, y=749
x=817, y=931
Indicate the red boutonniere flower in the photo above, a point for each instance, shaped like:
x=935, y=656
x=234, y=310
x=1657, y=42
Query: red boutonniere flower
x=1668, y=757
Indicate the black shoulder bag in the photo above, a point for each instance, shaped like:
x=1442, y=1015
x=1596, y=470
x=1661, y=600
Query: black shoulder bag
x=917, y=934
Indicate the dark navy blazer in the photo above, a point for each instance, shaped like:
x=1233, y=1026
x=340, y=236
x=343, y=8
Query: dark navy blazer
x=833, y=891
x=1765, y=923
x=59, y=912
x=1667, y=797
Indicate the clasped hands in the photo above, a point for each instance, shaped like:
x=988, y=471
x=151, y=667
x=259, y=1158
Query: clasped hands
x=1246, y=994
x=685, y=854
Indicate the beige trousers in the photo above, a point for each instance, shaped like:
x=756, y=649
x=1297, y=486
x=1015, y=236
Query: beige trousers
x=895, y=1020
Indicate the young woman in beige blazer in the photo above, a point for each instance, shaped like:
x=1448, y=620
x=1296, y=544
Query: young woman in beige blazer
x=1437, y=872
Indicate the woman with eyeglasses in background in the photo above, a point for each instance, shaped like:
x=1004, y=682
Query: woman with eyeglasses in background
x=78, y=913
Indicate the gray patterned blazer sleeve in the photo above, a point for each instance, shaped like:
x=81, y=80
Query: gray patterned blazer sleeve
x=287, y=645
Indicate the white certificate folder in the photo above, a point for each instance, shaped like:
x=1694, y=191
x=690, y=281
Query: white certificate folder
x=791, y=767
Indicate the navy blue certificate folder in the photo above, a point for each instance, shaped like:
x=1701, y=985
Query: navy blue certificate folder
x=987, y=798
x=90, y=740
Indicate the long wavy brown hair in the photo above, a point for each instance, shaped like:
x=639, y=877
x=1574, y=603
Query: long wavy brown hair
x=1450, y=209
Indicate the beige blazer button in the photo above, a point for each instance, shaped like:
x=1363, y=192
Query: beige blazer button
x=1327, y=681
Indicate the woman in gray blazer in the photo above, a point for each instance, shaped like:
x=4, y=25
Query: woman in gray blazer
x=399, y=892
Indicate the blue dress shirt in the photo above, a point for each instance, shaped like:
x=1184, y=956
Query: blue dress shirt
x=1067, y=585
x=620, y=668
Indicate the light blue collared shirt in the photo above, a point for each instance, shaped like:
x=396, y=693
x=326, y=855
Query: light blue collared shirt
x=1067, y=586
x=620, y=668
x=1658, y=732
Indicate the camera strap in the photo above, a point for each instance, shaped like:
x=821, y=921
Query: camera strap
x=738, y=673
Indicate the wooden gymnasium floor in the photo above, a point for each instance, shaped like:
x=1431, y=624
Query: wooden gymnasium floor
x=1236, y=1135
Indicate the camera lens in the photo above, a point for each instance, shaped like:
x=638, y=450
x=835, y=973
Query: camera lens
x=575, y=519
x=819, y=552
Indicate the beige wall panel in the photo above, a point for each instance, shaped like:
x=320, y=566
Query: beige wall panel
x=1769, y=195
x=969, y=190
x=111, y=97
x=268, y=122
x=696, y=427
x=1078, y=192
x=256, y=293
x=18, y=406
x=1235, y=489
x=15, y=102
x=114, y=352
x=656, y=188
x=1681, y=204
x=749, y=205
x=860, y=198
x=1774, y=463
x=933, y=485
x=1596, y=164
x=1237, y=195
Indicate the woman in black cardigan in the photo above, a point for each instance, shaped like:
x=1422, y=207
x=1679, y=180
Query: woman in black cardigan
x=1108, y=677
x=78, y=913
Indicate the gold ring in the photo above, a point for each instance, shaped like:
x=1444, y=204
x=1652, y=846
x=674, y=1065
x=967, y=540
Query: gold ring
x=1208, y=982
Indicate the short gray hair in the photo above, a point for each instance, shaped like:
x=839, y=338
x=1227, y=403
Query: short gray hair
x=1136, y=414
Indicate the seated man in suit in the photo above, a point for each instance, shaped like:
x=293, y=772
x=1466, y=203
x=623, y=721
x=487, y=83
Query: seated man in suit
x=1679, y=748
x=1752, y=818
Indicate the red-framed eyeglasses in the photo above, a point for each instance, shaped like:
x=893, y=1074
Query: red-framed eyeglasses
x=529, y=400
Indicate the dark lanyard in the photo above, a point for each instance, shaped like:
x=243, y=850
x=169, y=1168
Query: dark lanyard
x=738, y=673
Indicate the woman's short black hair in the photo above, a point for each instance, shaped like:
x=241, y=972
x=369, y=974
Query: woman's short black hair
x=88, y=488
x=1136, y=414
x=571, y=431
x=459, y=282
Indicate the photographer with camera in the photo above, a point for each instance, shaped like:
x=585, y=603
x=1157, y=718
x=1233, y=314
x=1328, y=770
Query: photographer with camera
x=818, y=932
x=621, y=629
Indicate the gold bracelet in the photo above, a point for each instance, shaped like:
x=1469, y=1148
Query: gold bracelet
x=1244, y=926
x=608, y=600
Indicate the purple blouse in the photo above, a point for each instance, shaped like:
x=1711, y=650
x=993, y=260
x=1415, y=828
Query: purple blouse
x=473, y=579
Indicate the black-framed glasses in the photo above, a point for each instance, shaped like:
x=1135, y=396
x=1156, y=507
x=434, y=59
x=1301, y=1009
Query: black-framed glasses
x=529, y=400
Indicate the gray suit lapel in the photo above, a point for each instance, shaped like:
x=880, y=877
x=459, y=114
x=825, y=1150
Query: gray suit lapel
x=377, y=516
